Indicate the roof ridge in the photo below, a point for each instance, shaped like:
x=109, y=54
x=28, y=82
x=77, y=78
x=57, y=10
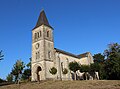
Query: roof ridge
x=68, y=53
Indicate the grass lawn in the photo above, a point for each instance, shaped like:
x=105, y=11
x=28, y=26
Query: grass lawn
x=90, y=84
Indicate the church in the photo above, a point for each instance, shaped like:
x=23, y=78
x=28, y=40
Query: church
x=45, y=56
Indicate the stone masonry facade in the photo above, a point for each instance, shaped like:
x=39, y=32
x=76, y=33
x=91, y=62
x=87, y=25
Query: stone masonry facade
x=45, y=56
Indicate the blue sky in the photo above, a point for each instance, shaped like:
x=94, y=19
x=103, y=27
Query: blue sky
x=79, y=26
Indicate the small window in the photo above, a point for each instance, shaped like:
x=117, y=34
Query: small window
x=36, y=56
x=49, y=55
x=47, y=33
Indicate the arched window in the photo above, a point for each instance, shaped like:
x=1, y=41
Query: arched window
x=35, y=35
x=40, y=34
x=47, y=33
x=62, y=65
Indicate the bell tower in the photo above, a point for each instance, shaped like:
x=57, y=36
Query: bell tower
x=42, y=48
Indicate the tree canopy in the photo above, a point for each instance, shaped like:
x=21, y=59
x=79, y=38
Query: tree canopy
x=17, y=69
x=74, y=66
x=84, y=68
x=109, y=63
x=112, y=63
x=10, y=78
x=27, y=72
x=99, y=58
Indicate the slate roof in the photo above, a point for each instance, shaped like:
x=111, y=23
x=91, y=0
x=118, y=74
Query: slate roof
x=73, y=55
x=42, y=20
x=83, y=55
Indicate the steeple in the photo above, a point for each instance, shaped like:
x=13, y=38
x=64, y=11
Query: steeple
x=42, y=20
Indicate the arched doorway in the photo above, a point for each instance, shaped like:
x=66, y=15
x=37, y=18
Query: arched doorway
x=38, y=73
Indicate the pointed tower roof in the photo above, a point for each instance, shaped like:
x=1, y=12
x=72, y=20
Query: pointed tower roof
x=42, y=20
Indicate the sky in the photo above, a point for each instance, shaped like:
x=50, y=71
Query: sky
x=79, y=26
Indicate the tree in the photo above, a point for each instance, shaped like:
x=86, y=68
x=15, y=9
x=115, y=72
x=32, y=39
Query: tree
x=85, y=68
x=99, y=64
x=9, y=78
x=99, y=58
x=74, y=66
x=27, y=72
x=94, y=67
x=112, y=49
x=112, y=63
x=53, y=70
x=17, y=69
x=1, y=80
x=29, y=64
x=1, y=55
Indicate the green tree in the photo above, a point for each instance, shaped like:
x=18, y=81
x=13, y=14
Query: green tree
x=74, y=66
x=1, y=55
x=29, y=64
x=17, y=69
x=112, y=63
x=53, y=70
x=99, y=58
x=85, y=68
x=27, y=72
x=9, y=78
x=94, y=67
x=1, y=80
x=99, y=64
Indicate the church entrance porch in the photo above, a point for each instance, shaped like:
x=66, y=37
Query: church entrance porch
x=38, y=72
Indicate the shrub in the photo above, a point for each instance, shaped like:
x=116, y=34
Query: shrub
x=53, y=70
x=65, y=71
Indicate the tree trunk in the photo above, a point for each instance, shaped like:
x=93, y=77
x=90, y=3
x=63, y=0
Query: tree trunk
x=86, y=75
x=74, y=75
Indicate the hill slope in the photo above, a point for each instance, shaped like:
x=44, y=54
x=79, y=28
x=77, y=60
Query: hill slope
x=95, y=84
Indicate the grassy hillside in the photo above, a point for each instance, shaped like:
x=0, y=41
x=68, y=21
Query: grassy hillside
x=101, y=84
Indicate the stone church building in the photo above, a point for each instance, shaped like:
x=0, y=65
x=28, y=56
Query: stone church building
x=45, y=56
